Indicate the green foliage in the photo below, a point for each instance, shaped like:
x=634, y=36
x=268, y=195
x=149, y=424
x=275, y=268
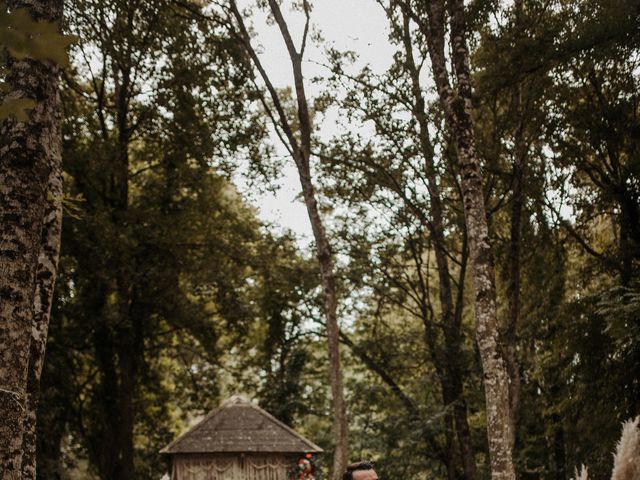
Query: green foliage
x=165, y=265
x=157, y=254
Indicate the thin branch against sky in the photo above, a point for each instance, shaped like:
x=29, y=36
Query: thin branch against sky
x=346, y=25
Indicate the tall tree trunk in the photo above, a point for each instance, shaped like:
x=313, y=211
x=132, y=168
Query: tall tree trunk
x=129, y=348
x=452, y=384
x=325, y=259
x=458, y=108
x=115, y=341
x=513, y=287
x=45, y=283
x=300, y=150
x=559, y=453
x=49, y=449
x=124, y=330
x=27, y=152
x=104, y=447
x=446, y=394
x=127, y=380
x=628, y=244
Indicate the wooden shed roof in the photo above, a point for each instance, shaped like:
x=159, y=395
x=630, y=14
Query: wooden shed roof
x=239, y=426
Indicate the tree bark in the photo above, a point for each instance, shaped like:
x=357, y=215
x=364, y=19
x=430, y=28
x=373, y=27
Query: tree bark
x=124, y=330
x=452, y=384
x=105, y=448
x=129, y=348
x=513, y=287
x=45, y=283
x=300, y=150
x=325, y=260
x=458, y=108
x=52, y=421
x=27, y=152
x=559, y=453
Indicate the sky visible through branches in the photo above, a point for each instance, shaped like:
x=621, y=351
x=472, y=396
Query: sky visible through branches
x=344, y=26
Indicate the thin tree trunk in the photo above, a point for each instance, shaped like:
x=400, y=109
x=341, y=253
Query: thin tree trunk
x=52, y=421
x=129, y=348
x=513, y=288
x=628, y=244
x=446, y=394
x=453, y=381
x=300, y=150
x=559, y=453
x=45, y=283
x=105, y=448
x=458, y=108
x=464, y=436
x=496, y=378
x=49, y=450
x=127, y=366
x=124, y=330
x=27, y=152
x=325, y=260
x=116, y=347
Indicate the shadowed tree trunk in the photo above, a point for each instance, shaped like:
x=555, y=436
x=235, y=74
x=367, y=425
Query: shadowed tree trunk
x=299, y=148
x=124, y=331
x=513, y=287
x=27, y=153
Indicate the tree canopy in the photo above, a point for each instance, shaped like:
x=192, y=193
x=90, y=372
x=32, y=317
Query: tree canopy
x=471, y=291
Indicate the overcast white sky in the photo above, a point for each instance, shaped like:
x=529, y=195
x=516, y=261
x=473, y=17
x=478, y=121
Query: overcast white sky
x=358, y=25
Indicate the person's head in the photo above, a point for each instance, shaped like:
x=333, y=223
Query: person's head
x=360, y=471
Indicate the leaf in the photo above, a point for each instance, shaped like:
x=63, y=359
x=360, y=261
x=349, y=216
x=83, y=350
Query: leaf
x=23, y=37
x=18, y=108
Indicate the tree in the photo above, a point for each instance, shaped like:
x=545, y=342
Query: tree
x=299, y=148
x=457, y=106
x=44, y=294
x=537, y=84
x=141, y=301
x=397, y=172
x=30, y=156
x=217, y=302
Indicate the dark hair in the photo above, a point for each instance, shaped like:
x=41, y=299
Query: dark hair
x=348, y=474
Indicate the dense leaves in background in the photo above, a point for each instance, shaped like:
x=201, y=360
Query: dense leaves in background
x=561, y=183
x=162, y=259
x=172, y=294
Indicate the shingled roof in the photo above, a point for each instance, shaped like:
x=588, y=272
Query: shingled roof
x=240, y=426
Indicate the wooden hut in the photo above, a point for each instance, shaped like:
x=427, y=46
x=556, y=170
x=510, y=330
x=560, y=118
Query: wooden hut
x=238, y=441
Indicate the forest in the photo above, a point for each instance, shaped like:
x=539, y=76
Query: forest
x=457, y=296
